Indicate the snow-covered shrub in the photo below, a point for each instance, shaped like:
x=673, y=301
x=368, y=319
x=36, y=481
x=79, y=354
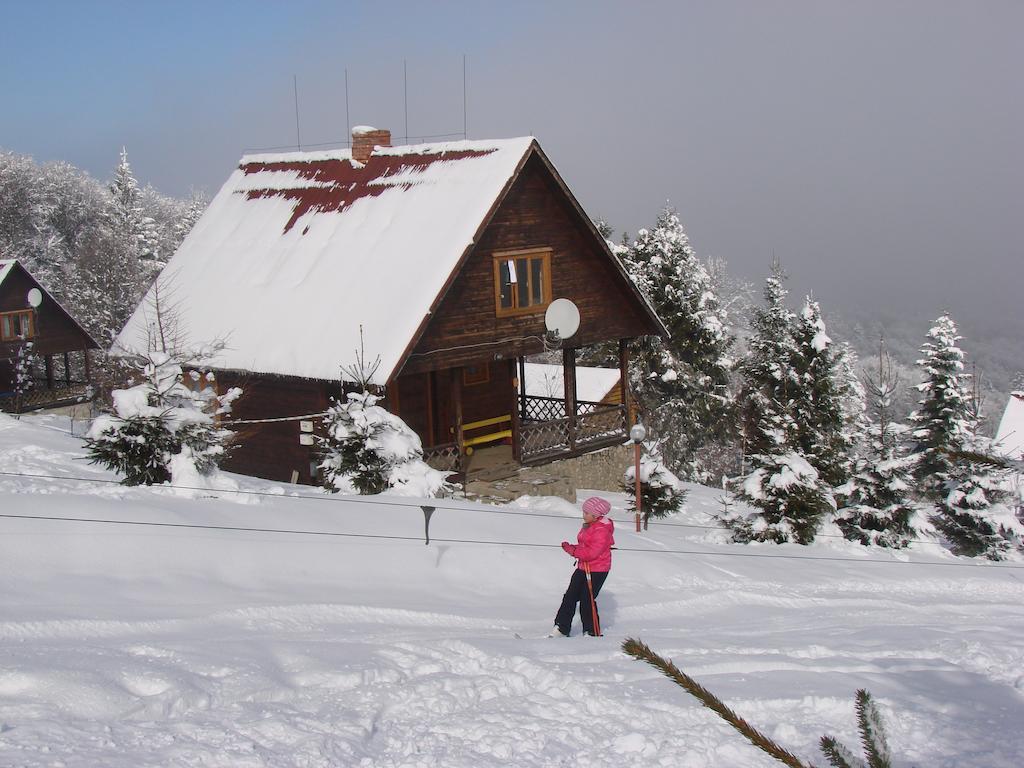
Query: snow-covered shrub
x=159, y=430
x=24, y=361
x=660, y=491
x=976, y=516
x=791, y=497
x=369, y=450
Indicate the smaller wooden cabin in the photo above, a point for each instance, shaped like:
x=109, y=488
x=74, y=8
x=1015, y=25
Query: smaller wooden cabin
x=34, y=326
x=436, y=263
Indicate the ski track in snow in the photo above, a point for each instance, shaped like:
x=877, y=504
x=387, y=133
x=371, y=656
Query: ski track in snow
x=175, y=648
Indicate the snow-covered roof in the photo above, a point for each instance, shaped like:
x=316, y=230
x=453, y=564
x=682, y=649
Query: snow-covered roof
x=298, y=251
x=1010, y=434
x=592, y=384
x=6, y=265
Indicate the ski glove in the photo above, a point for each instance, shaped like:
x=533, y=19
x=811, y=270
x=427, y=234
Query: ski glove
x=569, y=548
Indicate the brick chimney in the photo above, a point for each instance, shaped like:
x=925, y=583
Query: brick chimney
x=365, y=138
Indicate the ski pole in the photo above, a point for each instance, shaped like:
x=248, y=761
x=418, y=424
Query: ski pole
x=593, y=605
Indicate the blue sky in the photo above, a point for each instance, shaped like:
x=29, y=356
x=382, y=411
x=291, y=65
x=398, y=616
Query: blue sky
x=873, y=146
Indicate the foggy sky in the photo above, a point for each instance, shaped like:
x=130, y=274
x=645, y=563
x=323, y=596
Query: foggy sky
x=874, y=147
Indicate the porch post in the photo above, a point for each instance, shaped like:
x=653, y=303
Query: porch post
x=67, y=368
x=569, y=379
x=624, y=380
x=88, y=371
x=514, y=394
x=49, y=372
x=457, y=403
x=522, y=388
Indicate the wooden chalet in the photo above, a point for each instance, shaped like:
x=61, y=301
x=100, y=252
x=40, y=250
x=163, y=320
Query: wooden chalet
x=29, y=315
x=438, y=261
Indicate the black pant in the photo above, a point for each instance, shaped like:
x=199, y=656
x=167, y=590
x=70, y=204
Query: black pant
x=577, y=593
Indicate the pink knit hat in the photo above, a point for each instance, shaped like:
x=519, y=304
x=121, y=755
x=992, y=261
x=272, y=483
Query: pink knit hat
x=597, y=506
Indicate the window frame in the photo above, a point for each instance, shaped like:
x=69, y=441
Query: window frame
x=8, y=337
x=481, y=376
x=529, y=254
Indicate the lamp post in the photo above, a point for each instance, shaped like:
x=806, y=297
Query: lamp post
x=637, y=433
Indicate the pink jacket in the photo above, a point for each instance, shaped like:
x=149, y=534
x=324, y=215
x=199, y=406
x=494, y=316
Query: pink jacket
x=594, y=545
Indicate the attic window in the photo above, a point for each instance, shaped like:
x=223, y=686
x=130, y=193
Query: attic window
x=522, y=281
x=16, y=325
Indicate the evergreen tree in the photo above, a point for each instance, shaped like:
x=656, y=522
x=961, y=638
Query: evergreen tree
x=162, y=430
x=661, y=493
x=877, y=507
x=974, y=515
x=681, y=383
x=159, y=431
x=943, y=421
x=769, y=380
x=134, y=231
x=368, y=450
x=819, y=402
x=787, y=489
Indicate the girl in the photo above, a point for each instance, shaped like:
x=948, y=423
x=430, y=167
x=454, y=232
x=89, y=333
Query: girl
x=593, y=552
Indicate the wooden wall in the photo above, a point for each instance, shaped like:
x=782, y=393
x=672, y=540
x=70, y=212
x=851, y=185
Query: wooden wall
x=272, y=450
x=425, y=400
x=534, y=214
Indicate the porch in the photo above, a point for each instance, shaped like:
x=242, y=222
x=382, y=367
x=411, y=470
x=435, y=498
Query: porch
x=63, y=380
x=538, y=428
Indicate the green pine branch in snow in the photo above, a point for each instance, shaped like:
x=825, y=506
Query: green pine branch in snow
x=869, y=721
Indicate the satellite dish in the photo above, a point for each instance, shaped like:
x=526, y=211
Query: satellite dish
x=562, y=318
x=35, y=297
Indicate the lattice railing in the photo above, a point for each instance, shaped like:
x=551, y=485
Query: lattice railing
x=601, y=423
x=543, y=437
x=444, y=457
x=41, y=397
x=542, y=408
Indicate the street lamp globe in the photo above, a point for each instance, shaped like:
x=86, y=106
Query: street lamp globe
x=637, y=433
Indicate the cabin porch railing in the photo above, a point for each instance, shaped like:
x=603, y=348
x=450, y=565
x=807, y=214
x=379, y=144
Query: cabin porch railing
x=445, y=457
x=41, y=397
x=544, y=431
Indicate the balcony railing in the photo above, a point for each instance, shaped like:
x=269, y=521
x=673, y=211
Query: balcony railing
x=40, y=397
x=545, y=432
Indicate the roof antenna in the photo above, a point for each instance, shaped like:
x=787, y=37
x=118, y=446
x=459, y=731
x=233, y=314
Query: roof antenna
x=298, y=136
x=405, y=89
x=465, y=129
x=348, y=121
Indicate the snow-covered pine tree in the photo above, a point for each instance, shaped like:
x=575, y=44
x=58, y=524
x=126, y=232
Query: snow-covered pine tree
x=134, y=230
x=819, y=411
x=682, y=383
x=661, y=493
x=368, y=450
x=974, y=516
x=944, y=420
x=788, y=490
x=25, y=362
x=159, y=431
x=162, y=430
x=877, y=508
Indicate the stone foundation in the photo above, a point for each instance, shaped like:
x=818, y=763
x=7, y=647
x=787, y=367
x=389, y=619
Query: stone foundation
x=599, y=471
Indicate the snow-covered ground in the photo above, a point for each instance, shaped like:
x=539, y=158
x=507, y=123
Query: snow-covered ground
x=130, y=645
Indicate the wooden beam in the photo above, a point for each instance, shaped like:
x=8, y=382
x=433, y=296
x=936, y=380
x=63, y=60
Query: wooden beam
x=569, y=383
x=516, y=404
x=624, y=377
x=457, y=403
